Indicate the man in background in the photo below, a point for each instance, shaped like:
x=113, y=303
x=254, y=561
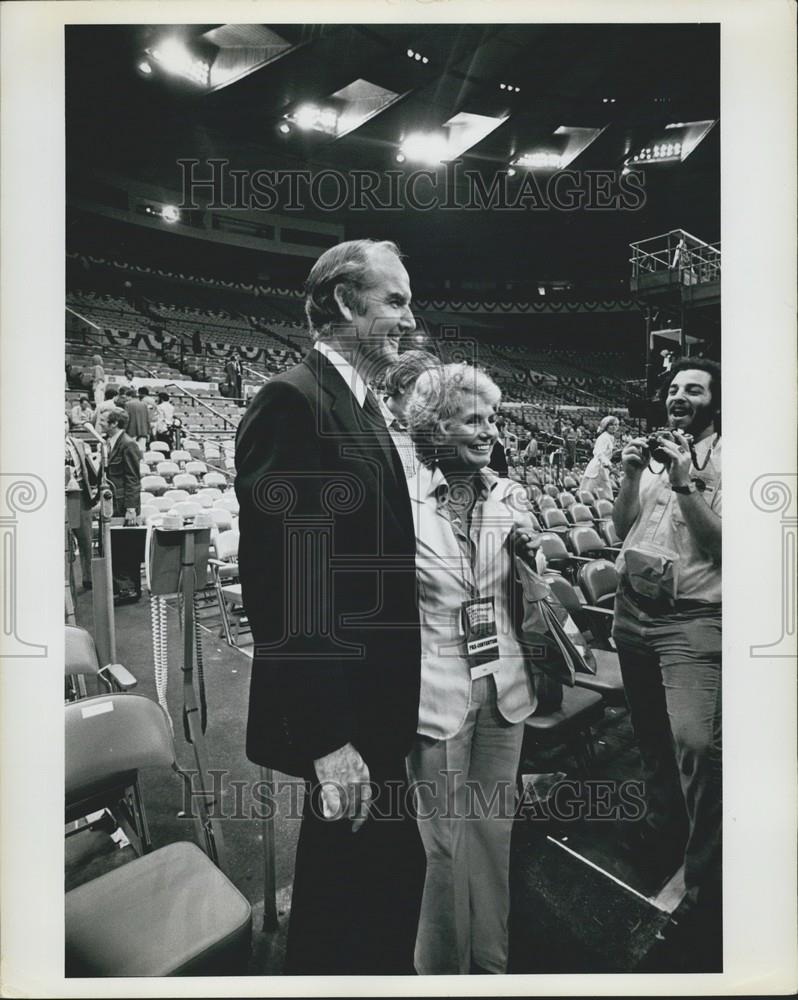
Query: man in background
x=399, y=381
x=124, y=476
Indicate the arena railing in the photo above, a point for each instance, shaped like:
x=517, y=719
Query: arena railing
x=202, y=403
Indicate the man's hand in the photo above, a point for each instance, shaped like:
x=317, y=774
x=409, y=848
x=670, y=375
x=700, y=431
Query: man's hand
x=633, y=459
x=678, y=452
x=344, y=772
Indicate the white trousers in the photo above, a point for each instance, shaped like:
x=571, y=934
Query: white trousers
x=465, y=796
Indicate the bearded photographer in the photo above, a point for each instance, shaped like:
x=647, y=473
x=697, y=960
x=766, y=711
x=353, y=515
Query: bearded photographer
x=668, y=633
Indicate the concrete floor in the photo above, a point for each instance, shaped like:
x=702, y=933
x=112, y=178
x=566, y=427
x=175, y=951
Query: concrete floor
x=578, y=903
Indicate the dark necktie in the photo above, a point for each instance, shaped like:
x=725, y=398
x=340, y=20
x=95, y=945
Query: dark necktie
x=376, y=420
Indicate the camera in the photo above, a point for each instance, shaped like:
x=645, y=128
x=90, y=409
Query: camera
x=653, y=445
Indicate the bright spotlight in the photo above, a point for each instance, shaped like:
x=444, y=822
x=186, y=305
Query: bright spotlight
x=511, y=172
x=400, y=157
x=518, y=90
x=176, y=59
x=424, y=59
x=410, y=53
x=284, y=127
x=145, y=68
x=430, y=148
x=541, y=290
x=417, y=57
x=306, y=116
x=170, y=213
x=502, y=86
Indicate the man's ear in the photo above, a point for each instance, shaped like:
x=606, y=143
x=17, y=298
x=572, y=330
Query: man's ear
x=340, y=296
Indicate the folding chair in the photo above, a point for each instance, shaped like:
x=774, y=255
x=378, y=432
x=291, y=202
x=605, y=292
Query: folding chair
x=168, y=912
x=224, y=567
x=568, y=726
x=81, y=661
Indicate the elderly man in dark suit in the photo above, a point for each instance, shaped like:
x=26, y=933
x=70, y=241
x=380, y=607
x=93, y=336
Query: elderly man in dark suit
x=124, y=476
x=327, y=562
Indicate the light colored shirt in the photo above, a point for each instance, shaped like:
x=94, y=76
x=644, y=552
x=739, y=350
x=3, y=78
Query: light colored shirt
x=401, y=439
x=352, y=378
x=455, y=563
x=661, y=523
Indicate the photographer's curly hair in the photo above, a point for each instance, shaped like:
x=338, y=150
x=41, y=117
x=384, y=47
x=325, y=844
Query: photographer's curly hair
x=701, y=365
x=436, y=398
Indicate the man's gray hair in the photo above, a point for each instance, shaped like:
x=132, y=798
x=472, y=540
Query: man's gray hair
x=439, y=395
x=345, y=264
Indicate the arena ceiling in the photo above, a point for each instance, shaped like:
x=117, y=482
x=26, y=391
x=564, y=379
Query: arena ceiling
x=249, y=84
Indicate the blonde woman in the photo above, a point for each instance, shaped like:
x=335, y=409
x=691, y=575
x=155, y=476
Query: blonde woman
x=469, y=524
x=597, y=473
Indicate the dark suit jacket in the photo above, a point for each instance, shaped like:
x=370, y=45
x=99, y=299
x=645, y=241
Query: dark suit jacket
x=139, y=423
x=327, y=564
x=124, y=475
x=89, y=478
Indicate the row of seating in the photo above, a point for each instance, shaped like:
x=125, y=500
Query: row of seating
x=158, y=485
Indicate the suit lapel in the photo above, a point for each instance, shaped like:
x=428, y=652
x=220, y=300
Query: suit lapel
x=340, y=412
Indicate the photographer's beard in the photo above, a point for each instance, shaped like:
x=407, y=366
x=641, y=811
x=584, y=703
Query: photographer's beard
x=691, y=419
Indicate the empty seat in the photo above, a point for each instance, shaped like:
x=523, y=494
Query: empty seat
x=144, y=469
x=609, y=534
x=554, y=520
x=154, y=484
x=152, y=457
x=160, y=446
x=176, y=496
x=196, y=468
x=186, y=509
x=568, y=726
x=185, y=481
x=599, y=582
x=181, y=456
x=228, y=502
x=81, y=661
x=603, y=508
x=215, y=479
x=547, y=503
x=578, y=513
x=145, y=498
x=584, y=541
x=566, y=500
x=586, y=497
x=551, y=490
x=223, y=519
x=171, y=911
x=194, y=448
x=167, y=469
x=164, y=503
x=209, y=493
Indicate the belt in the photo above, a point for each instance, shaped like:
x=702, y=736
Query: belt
x=667, y=605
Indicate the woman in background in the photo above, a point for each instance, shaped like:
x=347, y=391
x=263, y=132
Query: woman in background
x=97, y=373
x=597, y=473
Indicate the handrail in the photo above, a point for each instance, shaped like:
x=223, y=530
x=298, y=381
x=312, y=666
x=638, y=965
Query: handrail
x=215, y=412
x=252, y=371
x=107, y=349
